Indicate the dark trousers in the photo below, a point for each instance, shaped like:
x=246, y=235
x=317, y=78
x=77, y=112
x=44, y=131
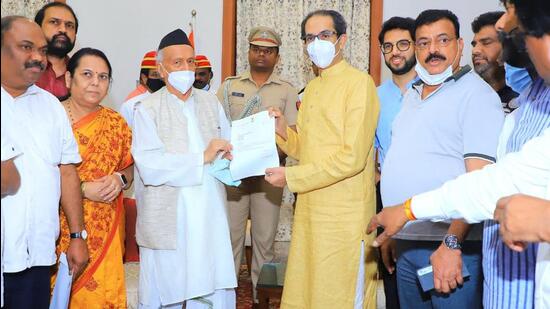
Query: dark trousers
x=28, y=289
x=390, y=280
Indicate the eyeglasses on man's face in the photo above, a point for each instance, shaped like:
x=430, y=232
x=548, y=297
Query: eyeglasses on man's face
x=401, y=45
x=324, y=35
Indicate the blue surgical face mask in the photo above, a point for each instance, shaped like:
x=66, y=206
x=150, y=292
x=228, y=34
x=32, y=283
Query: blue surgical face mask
x=517, y=78
x=220, y=170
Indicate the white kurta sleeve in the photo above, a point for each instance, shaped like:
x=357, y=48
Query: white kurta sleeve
x=155, y=165
x=473, y=196
x=225, y=126
x=127, y=111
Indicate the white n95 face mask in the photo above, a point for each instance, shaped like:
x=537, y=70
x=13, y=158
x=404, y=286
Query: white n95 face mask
x=181, y=80
x=435, y=79
x=432, y=79
x=322, y=52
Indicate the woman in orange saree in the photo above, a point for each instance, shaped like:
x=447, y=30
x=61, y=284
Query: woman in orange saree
x=104, y=141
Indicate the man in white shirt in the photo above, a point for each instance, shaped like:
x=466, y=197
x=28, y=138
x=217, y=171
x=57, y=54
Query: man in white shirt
x=10, y=176
x=37, y=123
x=182, y=227
x=10, y=184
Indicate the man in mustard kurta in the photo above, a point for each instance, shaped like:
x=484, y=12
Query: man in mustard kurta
x=331, y=264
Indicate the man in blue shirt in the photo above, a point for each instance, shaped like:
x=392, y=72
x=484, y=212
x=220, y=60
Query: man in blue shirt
x=397, y=44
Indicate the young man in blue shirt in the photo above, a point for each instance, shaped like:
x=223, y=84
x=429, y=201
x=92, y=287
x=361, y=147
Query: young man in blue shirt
x=397, y=44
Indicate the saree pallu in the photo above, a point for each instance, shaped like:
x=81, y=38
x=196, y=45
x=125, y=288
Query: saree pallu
x=104, y=140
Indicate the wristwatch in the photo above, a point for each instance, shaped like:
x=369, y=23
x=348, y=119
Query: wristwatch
x=451, y=242
x=122, y=179
x=82, y=234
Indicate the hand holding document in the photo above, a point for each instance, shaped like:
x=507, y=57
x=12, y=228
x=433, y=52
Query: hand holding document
x=63, y=282
x=254, y=148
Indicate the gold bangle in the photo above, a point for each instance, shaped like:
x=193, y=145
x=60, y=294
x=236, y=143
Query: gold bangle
x=82, y=184
x=408, y=211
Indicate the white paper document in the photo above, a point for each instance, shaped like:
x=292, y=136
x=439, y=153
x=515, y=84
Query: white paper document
x=254, y=147
x=62, y=288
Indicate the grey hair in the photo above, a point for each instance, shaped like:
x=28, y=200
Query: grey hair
x=160, y=56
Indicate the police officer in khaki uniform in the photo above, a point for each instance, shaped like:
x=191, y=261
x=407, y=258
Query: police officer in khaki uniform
x=243, y=95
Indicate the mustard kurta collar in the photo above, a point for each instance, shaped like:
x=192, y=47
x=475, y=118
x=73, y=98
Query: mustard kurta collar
x=335, y=69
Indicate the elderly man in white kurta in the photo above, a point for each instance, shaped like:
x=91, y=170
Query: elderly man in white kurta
x=182, y=227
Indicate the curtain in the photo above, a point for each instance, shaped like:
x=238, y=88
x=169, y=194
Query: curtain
x=285, y=16
x=27, y=8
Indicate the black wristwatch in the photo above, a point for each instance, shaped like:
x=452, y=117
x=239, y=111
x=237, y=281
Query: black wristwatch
x=82, y=234
x=122, y=179
x=451, y=242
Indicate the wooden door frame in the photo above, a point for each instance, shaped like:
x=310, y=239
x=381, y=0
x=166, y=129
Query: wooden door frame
x=375, y=56
x=229, y=38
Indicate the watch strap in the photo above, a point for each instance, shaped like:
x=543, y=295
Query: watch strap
x=451, y=241
x=122, y=179
x=82, y=235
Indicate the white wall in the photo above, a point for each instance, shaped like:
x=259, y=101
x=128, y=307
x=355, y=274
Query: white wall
x=466, y=10
x=126, y=30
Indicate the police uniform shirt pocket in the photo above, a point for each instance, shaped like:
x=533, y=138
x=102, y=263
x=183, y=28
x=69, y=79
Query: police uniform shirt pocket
x=237, y=101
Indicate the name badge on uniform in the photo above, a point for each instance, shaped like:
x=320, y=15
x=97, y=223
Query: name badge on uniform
x=237, y=94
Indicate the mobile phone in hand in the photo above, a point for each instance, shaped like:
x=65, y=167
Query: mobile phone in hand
x=426, y=277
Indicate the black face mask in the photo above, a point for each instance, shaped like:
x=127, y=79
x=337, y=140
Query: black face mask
x=514, y=51
x=154, y=84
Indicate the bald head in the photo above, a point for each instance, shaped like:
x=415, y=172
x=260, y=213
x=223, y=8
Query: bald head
x=19, y=25
x=23, y=53
x=7, y=22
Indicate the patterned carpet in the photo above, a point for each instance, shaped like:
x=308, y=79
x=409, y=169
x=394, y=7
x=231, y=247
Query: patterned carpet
x=244, y=291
